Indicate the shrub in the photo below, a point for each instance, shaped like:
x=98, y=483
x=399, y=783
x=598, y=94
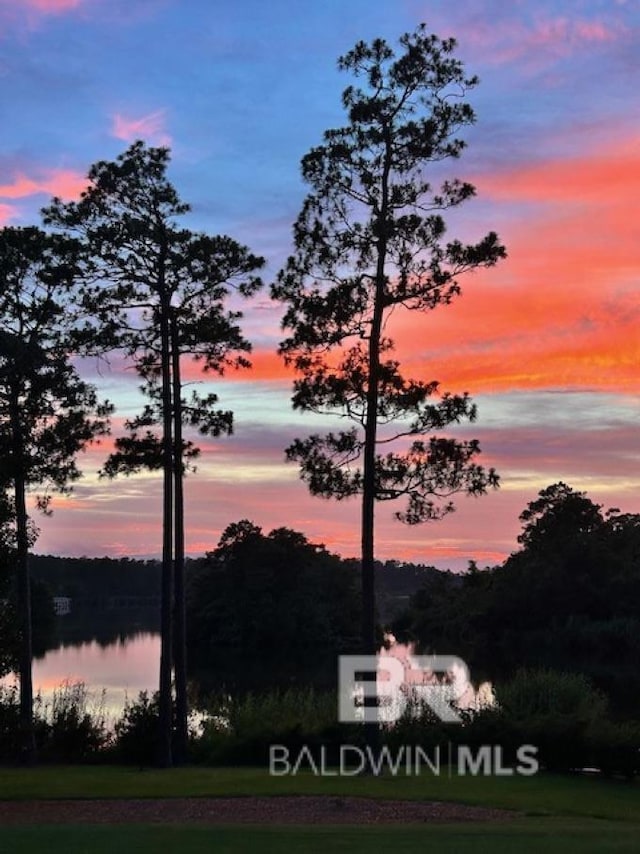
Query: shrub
x=557, y=712
x=614, y=747
x=136, y=733
x=241, y=729
x=9, y=723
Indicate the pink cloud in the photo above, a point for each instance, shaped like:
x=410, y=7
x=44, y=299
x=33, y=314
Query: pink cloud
x=149, y=127
x=53, y=7
x=65, y=183
x=508, y=41
x=7, y=213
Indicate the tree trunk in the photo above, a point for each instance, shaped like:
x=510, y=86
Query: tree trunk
x=165, y=755
x=25, y=656
x=369, y=641
x=179, y=640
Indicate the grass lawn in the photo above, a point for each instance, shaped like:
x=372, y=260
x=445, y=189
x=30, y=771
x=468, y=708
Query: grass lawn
x=524, y=836
x=562, y=814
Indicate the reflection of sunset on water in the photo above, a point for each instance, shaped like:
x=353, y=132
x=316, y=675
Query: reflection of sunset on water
x=122, y=669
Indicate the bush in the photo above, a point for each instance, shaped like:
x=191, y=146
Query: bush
x=539, y=693
x=241, y=729
x=136, y=733
x=615, y=748
x=9, y=724
x=567, y=719
x=66, y=728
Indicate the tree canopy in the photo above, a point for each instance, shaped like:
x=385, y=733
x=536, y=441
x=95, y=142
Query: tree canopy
x=568, y=598
x=271, y=602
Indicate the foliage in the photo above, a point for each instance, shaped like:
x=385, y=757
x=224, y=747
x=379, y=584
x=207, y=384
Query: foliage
x=71, y=728
x=240, y=729
x=568, y=720
x=568, y=599
x=142, y=274
x=68, y=728
x=47, y=413
x=270, y=603
x=44, y=405
x=7, y=544
x=88, y=578
x=136, y=732
x=9, y=723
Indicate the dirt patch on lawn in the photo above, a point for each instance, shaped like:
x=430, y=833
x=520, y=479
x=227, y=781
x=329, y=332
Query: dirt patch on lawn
x=243, y=810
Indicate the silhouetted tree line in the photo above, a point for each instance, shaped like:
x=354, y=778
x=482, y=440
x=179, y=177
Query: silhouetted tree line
x=265, y=609
x=85, y=578
x=257, y=598
x=569, y=599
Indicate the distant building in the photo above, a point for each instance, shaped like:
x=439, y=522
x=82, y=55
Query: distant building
x=62, y=605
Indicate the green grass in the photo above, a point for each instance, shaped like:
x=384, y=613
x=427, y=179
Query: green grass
x=563, y=814
x=529, y=836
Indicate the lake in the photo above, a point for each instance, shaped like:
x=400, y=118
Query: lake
x=123, y=668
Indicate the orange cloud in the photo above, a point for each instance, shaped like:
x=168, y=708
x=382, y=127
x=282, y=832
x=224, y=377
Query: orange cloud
x=602, y=176
x=563, y=311
x=150, y=127
x=55, y=182
x=266, y=365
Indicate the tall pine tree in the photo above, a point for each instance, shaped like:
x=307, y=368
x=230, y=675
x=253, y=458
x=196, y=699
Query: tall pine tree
x=158, y=293
x=371, y=239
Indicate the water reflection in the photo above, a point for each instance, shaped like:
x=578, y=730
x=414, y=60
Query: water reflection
x=113, y=672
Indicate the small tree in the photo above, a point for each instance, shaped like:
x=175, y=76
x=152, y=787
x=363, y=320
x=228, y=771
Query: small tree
x=370, y=239
x=47, y=414
x=159, y=294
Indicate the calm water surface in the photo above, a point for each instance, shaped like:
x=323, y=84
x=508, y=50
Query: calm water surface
x=122, y=668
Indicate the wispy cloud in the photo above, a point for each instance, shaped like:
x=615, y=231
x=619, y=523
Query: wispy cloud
x=65, y=183
x=150, y=128
x=504, y=39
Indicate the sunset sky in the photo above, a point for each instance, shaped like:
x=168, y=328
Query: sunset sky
x=548, y=342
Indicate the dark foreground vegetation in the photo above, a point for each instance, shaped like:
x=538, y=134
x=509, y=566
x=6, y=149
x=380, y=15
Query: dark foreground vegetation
x=561, y=715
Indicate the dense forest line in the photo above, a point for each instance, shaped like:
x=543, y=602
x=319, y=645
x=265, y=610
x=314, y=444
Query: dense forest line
x=113, y=597
x=89, y=578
